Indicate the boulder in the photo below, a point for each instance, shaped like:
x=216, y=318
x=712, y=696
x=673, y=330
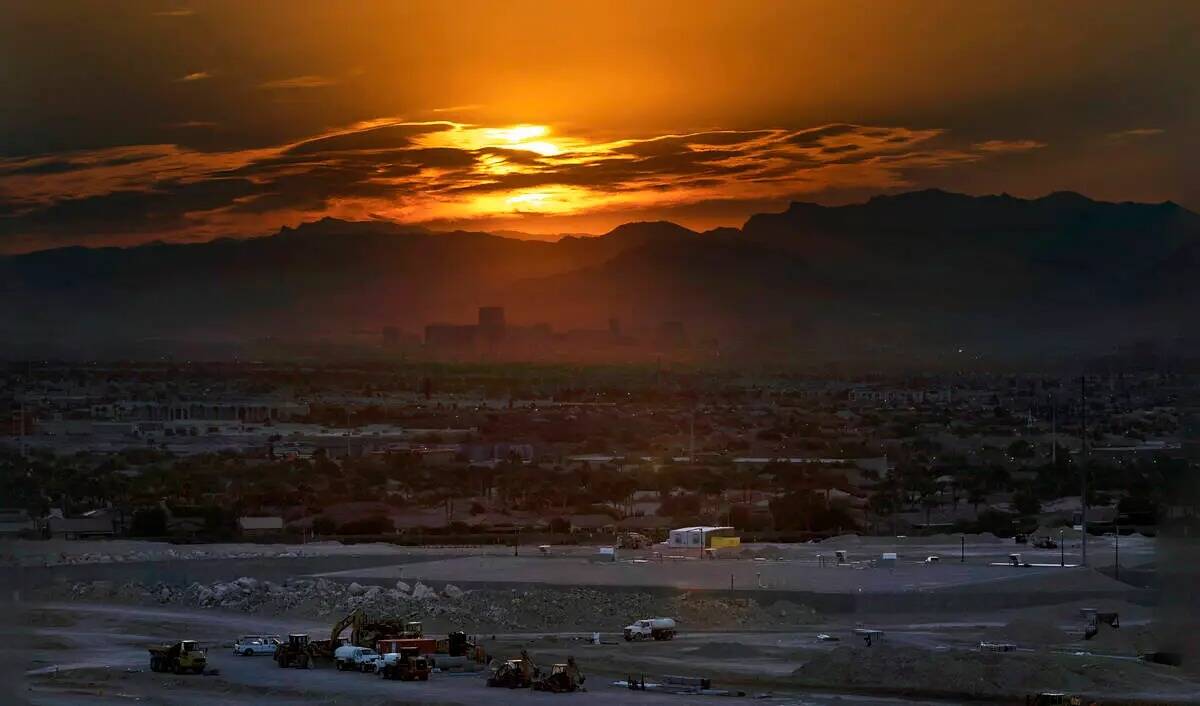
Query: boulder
x=453, y=592
x=421, y=592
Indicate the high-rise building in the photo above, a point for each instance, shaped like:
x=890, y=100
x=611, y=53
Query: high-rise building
x=491, y=323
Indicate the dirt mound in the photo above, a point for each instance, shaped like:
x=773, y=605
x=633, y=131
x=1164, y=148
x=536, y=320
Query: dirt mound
x=967, y=673
x=1128, y=640
x=1031, y=632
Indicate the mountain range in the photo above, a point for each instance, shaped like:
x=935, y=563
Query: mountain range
x=920, y=274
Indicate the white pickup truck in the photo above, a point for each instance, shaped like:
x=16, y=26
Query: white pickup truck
x=655, y=628
x=251, y=645
x=357, y=659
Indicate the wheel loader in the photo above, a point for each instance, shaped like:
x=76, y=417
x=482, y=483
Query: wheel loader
x=296, y=652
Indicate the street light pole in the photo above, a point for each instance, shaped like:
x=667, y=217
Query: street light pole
x=1062, y=549
x=1117, y=553
x=1083, y=500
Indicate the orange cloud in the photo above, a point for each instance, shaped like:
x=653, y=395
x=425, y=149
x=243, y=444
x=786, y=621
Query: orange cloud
x=308, y=81
x=444, y=171
x=1137, y=132
x=1008, y=145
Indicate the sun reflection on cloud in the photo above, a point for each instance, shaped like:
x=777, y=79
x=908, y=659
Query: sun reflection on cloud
x=444, y=171
x=524, y=138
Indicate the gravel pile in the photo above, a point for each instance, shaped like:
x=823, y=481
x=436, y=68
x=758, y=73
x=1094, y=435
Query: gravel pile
x=142, y=556
x=478, y=610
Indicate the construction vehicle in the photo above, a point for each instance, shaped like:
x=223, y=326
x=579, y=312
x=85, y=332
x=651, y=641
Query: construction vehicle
x=407, y=664
x=562, y=678
x=514, y=673
x=1095, y=618
x=365, y=631
x=354, y=658
x=179, y=657
x=457, y=646
x=296, y=652
x=656, y=628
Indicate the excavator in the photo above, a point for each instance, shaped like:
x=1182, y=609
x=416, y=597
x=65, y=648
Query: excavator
x=366, y=632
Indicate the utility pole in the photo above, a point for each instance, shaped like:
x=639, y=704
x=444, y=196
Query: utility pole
x=692, y=439
x=22, y=432
x=1117, y=553
x=1053, y=432
x=1083, y=470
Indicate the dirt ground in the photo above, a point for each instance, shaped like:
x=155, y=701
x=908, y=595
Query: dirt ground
x=760, y=640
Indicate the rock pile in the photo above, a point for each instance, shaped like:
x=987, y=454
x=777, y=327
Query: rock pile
x=581, y=609
x=133, y=556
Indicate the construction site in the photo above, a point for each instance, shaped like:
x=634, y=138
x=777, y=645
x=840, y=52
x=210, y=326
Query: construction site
x=941, y=619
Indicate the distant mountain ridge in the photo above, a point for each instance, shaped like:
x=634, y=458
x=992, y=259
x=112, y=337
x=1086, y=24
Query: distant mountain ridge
x=911, y=274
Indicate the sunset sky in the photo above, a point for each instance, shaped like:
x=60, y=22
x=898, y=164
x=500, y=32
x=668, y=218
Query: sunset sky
x=126, y=122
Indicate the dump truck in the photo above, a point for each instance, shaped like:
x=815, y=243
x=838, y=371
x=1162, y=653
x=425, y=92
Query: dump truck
x=178, y=657
x=296, y=652
x=656, y=628
x=406, y=665
x=562, y=678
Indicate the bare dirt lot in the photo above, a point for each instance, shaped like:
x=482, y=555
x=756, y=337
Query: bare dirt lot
x=76, y=634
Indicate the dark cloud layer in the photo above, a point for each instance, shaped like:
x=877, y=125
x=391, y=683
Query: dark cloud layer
x=442, y=171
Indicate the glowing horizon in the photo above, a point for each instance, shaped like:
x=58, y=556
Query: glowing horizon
x=573, y=117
